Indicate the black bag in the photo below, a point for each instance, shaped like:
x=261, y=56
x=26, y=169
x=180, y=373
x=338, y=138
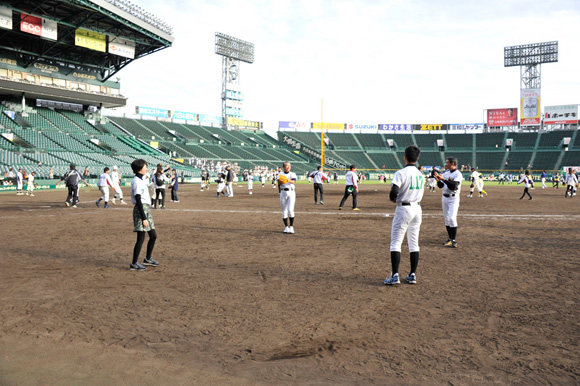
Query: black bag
x=158, y=181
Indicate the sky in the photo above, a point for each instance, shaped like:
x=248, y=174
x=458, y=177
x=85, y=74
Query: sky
x=362, y=62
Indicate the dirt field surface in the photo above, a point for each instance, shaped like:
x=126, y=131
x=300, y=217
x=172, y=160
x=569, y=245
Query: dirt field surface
x=238, y=302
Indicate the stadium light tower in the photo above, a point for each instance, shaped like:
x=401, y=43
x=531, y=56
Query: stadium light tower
x=530, y=57
x=232, y=51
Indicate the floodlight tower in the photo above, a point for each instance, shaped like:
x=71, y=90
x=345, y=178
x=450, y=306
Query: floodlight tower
x=232, y=51
x=530, y=57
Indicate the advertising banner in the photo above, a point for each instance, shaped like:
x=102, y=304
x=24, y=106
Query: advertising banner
x=152, y=112
x=210, y=119
x=396, y=127
x=466, y=126
x=235, y=95
x=502, y=117
x=328, y=126
x=293, y=125
x=554, y=115
x=183, y=115
x=38, y=26
x=354, y=126
x=91, y=40
x=530, y=107
x=243, y=123
x=437, y=126
x=5, y=17
x=121, y=47
x=310, y=152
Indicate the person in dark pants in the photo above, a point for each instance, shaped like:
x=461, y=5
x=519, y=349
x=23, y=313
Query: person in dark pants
x=159, y=179
x=526, y=180
x=72, y=179
x=174, y=184
x=351, y=187
x=318, y=177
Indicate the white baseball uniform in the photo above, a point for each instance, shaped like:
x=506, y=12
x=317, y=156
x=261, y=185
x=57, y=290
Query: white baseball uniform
x=19, y=181
x=250, y=183
x=450, y=198
x=288, y=195
x=104, y=183
x=30, y=187
x=116, y=184
x=408, y=215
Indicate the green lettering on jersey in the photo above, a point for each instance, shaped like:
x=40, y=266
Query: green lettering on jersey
x=417, y=182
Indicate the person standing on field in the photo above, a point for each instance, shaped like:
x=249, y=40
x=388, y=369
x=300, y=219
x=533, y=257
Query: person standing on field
x=407, y=190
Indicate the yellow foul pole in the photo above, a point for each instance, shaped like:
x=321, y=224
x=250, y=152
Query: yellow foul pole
x=322, y=132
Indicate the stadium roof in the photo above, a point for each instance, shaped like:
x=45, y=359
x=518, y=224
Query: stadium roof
x=114, y=18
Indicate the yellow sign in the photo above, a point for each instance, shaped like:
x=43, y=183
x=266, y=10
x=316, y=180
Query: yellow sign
x=92, y=40
x=327, y=126
x=154, y=144
x=431, y=127
x=241, y=122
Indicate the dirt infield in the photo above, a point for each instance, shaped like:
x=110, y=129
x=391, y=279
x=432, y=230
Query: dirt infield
x=237, y=302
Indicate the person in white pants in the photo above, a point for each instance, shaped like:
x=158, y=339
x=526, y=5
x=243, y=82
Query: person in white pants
x=407, y=190
x=287, y=190
x=250, y=182
x=104, y=183
x=450, y=182
x=116, y=178
x=31, y=184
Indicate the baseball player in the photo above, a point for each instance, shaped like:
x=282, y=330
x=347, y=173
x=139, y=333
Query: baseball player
x=19, y=182
x=351, y=187
x=527, y=181
x=450, y=182
x=250, y=182
x=229, y=181
x=263, y=178
x=31, y=184
x=287, y=190
x=407, y=190
x=571, y=182
x=318, y=177
x=116, y=178
x=221, y=184
x=104, y=183
x=203, y=178
x=432, y=181
x=72, y=179
x=543, y=179
x=275, y=176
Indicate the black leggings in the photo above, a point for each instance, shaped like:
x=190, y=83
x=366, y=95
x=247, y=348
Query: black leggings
x=139, y=244
x=157, y=193
x=526, y=191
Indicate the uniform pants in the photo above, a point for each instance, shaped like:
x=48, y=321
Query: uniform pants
x=479, y=186
x=220, y=187
x=450, y=207
x=105, y=193
x=544, y=183
x=318, y=187
x=250, y=185
x=229, y=189
x=118, y=191
x=287, y=201
x=407, y=219
x=30, y=188
x=73, y=194
x=346, y=194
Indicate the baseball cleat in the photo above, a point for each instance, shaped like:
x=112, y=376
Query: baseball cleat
x=355, y=209
x=393, y=280
x=106, y=207
x=67, y=203
x=286, y=230
x=469, y=195
x=98, y=202
x=291, y=230
x=447, y=243
x=454, y=244
x=340, y=208
x=321, y=203
x=411, y=279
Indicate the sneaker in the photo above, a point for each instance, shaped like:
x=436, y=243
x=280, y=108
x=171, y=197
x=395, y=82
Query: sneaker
x=340, y=208
x=291, y=230
x=454, y=244
x=74, y=206
x=286, y=230
x=106, y=206
x=31, y=195
x=67, y=203
x=315, y=203
x=123, y=202
x=150, y=262
x=321, y=203
x=393, y=280
x=355, y=209
x=163, y=207
x=176, y=201
x=469, y=195
x=114, y=202
x=447, y=243
x=98, y=202
x=411, y=279
x=136, y=267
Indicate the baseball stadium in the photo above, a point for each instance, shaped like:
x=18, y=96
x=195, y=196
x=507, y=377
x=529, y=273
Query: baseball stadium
x=234, y=299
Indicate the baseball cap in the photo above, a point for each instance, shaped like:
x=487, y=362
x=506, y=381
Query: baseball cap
x=115, y=167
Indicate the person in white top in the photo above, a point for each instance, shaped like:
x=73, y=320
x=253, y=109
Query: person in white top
x=263, y=178
x=476, y=182
x=351, y=187
x=250, y=182
x=571, y=183
x=142, y=217
x=287, y=189
x=158, y=181
x=450, y=182
x=31, y=184
x=104, y=183
x=19, y=182
x=318, y=177
x=275, y=176
x=116, y=178
x=407, y=190
x=527, y=181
